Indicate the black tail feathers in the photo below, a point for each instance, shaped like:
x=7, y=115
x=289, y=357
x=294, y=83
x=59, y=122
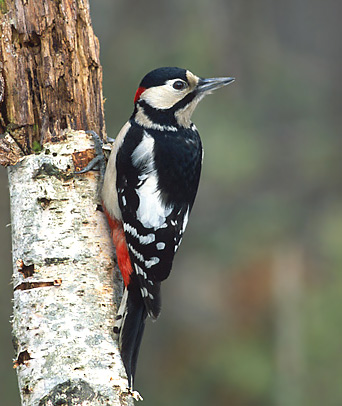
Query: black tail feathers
x=129, y=328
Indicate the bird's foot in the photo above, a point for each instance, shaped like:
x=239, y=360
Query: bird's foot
x=135, y=394
x=125, y=390
x=99, y=162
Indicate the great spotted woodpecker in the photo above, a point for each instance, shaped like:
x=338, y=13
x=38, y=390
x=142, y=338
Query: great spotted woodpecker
x=149, y=188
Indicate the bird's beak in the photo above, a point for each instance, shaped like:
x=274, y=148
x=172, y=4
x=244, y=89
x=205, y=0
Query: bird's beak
x=206, y=86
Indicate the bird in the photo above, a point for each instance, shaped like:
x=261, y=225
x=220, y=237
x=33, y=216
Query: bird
x=149, y=187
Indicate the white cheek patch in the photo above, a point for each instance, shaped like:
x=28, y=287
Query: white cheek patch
x=160, y=97
x=164, y=97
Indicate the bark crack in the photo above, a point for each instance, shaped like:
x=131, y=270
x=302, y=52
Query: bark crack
x=39, y=284
x=23, y=358
x=26, y=270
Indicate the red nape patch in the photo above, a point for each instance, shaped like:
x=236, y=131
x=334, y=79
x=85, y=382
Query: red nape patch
x=139, y=92
x=119, y=241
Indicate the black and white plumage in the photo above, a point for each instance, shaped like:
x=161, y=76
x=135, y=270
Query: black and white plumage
x=149, y=189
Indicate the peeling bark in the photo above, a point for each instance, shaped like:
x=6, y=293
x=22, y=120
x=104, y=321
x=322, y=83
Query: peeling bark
x=64, y=294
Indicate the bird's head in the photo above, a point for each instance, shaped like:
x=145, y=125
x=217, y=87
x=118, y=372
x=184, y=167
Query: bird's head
x=175, y=92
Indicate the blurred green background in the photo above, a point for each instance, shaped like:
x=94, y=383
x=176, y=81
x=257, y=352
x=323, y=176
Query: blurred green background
x=252, y=310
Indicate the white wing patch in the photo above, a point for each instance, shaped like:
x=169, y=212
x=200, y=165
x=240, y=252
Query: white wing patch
x=145, y=293
x=144, y=152
x=136, y=253
x=160, y=245
x=139, y=271
x=130, y=229
x=152, y=213
x=185, y=220
x=143, y=239
x=151, y=262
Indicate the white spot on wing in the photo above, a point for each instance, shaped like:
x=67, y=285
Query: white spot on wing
x=143, y=239
x=179, y=243
x=121, y=316
x=185, y=222
x=130, y=229
x=144, y=292
x=160, y=245
x=136, y=253
x=151, y=262
x=147, y=239
x=139, y=271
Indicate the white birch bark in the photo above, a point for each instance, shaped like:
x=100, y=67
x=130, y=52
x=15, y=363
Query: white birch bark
x=64, y=294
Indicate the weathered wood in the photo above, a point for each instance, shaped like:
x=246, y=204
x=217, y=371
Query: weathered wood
x=49, y=57
x=10, y=152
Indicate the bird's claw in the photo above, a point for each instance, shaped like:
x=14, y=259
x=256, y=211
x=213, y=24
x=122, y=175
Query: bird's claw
x=99, y=162
x=127, y=391
x=135, y=395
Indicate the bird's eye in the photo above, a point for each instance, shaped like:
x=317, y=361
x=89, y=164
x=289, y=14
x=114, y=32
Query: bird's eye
x=179, y=85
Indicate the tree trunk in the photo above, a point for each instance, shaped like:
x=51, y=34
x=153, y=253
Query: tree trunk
x=51, y=69
x=63, y=287
x=64, y=294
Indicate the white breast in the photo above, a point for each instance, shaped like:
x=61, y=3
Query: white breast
x=109, y=193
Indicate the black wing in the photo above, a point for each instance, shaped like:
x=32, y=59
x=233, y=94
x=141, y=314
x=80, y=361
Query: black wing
x=153, y=221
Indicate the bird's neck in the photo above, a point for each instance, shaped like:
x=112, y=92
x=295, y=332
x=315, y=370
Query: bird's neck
x=163, y=120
